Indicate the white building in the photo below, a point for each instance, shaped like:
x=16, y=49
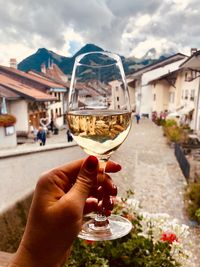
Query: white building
x=143, y=77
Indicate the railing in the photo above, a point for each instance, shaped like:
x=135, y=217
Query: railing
x=182, y=160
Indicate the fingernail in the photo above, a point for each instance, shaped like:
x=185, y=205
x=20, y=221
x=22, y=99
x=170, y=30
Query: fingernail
x=91, y=163
x=119, y=167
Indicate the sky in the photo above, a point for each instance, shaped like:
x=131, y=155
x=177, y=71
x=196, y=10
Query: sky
x=127, y=27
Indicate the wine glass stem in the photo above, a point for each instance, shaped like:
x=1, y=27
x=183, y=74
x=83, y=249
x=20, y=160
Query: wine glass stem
x=101, y=219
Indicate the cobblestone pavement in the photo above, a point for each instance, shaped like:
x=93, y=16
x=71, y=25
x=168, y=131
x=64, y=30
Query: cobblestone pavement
x=150, y=169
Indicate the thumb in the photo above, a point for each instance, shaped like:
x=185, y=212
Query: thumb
x=86, y=178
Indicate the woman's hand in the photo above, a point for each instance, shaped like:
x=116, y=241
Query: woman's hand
x=61, y=198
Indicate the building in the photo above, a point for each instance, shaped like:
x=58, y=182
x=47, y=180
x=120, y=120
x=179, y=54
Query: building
x=25, y=102
x=191, y=93
x=43, y=97
x=140, y=84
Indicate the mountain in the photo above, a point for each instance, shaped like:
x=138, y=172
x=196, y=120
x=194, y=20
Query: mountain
x=44, y=56
x=41, y=56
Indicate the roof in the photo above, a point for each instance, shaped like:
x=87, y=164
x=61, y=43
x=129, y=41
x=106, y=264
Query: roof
x=159, y=64
x=56, y=73
x=51, y=75
x=193, y=62
x=23, y=90
x=169, y=74
x=47, y=82
x=10, y=95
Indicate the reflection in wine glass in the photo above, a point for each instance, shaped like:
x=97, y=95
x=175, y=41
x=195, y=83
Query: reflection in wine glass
x=99, y=118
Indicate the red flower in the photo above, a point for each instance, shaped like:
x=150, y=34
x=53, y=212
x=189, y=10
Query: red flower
x=169, y=237
x=89, y=242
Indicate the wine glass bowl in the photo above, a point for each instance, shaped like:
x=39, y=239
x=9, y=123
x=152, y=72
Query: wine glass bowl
x=99, y=118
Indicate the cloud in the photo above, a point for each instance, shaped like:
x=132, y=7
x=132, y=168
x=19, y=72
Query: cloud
x=124, y=27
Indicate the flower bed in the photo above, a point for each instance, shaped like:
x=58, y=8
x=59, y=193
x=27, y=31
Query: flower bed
x=156, y=240
x=7, y=120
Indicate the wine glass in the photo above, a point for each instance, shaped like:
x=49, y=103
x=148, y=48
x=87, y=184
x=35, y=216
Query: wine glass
x=99, y=118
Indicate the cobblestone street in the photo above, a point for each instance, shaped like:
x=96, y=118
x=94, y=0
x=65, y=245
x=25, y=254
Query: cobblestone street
x=150, y=169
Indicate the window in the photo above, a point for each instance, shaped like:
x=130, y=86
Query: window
x=117, y=98
x=171, y=97
x=192, y=94
x=154, y=97
x=117, y=88
x=60, y=113
x=186, y=94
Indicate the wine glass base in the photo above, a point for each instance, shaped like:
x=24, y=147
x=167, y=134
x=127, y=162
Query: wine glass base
x=118, y=227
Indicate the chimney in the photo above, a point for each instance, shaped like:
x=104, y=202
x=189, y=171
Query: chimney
x=192, y=51
x=13, y=63
x=43, y=68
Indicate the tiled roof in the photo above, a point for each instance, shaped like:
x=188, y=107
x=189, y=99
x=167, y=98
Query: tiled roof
x=41, y=80
x=56, y=73
x=7, y=93
x=169, y=74
x=49, y=78
x=24, y=90
x=158, y=64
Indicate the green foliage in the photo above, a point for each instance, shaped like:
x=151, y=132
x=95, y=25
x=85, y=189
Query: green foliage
x=160, y=122
x=174, y=133
x=133, y=250
x=170, y=123
x=193, y=201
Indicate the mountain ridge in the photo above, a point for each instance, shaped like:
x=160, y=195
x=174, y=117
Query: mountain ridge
x=45, y=56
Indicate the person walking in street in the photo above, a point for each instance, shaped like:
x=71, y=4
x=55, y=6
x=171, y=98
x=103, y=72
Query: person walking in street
x=137, y=118
x=69, y=136
x=41, y=136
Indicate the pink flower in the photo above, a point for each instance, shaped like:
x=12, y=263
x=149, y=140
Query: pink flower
x=169, y=237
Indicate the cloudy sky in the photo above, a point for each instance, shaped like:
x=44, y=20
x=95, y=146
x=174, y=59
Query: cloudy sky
x=128, y=27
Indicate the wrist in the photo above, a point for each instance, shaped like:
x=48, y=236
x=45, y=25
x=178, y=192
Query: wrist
x=25, y=258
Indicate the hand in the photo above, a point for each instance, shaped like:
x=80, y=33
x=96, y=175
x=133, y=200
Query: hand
x=60, y=199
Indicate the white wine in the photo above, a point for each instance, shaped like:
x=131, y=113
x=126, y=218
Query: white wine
x=100, y=132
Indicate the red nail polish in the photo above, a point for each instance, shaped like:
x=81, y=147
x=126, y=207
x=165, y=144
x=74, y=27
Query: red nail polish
x=119, y=167
x=91, y=163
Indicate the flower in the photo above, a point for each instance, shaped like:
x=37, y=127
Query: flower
x=156, y=239
x=89, y=242
x=169, y=237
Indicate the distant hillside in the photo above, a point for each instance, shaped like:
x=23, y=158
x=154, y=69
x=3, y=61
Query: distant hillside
x=44, y=56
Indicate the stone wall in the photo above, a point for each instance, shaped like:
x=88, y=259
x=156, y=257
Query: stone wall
x=12, y=224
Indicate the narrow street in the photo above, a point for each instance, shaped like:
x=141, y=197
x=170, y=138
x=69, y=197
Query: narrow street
x=150, y=169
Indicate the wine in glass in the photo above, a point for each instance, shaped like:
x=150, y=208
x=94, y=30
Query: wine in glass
x=99, y=118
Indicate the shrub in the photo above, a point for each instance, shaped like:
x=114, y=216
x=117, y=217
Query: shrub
x=174, y=133
x=7, y=120
x=170, y=122
x=193, y=201
x=154, y=241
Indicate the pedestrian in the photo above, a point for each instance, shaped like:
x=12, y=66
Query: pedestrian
x=41, y=136
x=60, y=199
x=51, y=125
x=69, y=136
x=137, y=118
x=35, y=131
